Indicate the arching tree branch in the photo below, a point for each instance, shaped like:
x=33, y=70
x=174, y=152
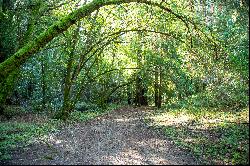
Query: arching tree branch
x=16, y=60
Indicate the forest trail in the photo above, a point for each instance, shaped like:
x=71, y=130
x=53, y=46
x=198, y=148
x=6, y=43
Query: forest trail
x=120, y=137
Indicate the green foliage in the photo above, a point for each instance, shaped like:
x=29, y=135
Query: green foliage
x=83, y=106
x=83, y=116
x=134, y=37
x=21, y=134
x=10, y=111
x=222, y=96
x=215, y=136
x=78, y=116
x=7, y=86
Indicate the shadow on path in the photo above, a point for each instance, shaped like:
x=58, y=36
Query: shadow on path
x=120, y=137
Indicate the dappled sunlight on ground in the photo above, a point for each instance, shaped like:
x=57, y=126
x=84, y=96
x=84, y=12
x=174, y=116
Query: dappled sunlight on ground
x=120, y=137
x=125, y=119
x=168, y=119
x=203, y=118
x=220, y=137
x=130, y=156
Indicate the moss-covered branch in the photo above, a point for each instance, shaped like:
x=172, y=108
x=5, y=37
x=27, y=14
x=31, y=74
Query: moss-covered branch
x=16, y=60
x=9, y=67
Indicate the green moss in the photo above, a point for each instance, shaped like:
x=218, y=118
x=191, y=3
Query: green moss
x=33, y=46
x=7, y=86
x=16, y=60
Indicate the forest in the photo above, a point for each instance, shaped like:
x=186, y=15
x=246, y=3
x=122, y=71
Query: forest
x=124, y=82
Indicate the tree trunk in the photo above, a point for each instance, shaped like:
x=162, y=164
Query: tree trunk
x=141, y=89
x=191, y=5
x=9, y=67
x=129, y=95
x=67, y=103
x=43, y=84
x=156, y=86
x=160, y=88
x=140, y=96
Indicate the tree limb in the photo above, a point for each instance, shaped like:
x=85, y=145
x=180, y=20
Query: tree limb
x=32, y=47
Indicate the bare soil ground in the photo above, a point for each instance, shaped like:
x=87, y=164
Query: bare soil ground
x=120, y=137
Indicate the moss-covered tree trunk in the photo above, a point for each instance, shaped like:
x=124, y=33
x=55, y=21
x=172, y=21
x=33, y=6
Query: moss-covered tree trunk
x=67, y=103
x=9, y=67
x=16, y=60
x=141, y=89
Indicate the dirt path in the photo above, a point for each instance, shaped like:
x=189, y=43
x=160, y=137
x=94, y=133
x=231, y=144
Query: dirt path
x=119, y=137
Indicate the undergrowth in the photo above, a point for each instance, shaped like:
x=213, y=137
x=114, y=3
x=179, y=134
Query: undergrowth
x=213, y=134
x=18, y=134
x=78, y=116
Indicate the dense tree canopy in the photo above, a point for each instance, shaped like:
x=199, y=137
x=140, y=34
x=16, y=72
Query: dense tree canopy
x=142, y=52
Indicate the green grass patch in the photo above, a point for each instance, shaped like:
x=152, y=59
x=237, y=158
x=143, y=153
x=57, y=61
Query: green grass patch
x=78, y=116
x=214, y=136
x=21, y=134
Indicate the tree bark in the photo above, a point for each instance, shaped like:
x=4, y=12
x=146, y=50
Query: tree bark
x=16, y=60
x=129, y=95
x=156, y=88
x=160, y=88
x=9, y=67
x=67, y=103
x=141, y=89
x=43, y=84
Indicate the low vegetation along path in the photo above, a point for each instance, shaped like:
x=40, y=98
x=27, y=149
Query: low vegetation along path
x=120, y=137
